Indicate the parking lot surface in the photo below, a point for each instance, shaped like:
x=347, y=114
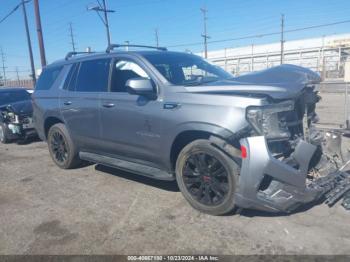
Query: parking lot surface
x=99, y=210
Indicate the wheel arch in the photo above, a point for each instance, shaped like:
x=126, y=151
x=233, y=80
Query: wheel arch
x=49, y=122
x=194, y=131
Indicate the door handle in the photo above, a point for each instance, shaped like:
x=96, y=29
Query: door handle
x=108, y=105
x=67, y=103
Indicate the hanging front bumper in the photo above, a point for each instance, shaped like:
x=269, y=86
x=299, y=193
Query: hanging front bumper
x=268, y=184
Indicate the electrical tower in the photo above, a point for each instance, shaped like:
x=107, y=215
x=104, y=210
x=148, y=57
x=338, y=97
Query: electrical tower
x=282, y=38
x=71, y=36
x=205, y=35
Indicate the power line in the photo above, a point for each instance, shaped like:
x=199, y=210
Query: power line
x=12, y=11
x=263, y=35
x=23, y=3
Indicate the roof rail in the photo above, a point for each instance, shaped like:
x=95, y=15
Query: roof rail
x=112, y=46
x=70, y=54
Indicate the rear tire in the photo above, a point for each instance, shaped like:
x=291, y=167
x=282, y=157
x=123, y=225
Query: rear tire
x=62, y=149
x=207, y=177
x=4, y=137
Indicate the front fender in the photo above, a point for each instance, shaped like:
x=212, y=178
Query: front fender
x=212, y=129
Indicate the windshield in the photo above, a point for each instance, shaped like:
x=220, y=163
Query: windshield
x=186, y=69
x=8, y=97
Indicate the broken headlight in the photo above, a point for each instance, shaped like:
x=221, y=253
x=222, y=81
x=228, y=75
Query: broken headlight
x=267, y=121
x=12, y=117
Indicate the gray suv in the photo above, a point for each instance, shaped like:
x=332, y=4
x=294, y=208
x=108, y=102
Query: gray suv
x=247, y=141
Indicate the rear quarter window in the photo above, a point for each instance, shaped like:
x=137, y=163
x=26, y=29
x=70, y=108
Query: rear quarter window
x=48, y=77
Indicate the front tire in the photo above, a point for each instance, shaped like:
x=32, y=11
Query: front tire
x=207, y=177
x=4, y=137
x=62, y=149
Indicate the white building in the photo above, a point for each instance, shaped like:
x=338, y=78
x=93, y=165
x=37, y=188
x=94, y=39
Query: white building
x=326, y=55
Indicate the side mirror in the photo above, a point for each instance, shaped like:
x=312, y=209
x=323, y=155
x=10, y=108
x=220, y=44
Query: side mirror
x=141, y=86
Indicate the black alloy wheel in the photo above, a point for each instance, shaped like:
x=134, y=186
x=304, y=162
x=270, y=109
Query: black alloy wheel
x=62, y=148
x=205, y=178
x=59, y=147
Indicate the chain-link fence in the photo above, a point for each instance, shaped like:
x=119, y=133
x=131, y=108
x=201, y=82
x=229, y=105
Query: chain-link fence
x=28, y=83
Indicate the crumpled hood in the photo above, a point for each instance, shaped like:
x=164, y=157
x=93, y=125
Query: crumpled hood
x=20, y=108
x=280, y=82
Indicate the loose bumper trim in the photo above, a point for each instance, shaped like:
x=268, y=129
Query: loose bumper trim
x=268, y=184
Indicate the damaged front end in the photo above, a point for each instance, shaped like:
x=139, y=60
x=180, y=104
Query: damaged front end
x=288, y=162
x=18, y=123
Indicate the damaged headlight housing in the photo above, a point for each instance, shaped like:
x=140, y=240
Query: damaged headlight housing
x=12, y=117
x=266, y=121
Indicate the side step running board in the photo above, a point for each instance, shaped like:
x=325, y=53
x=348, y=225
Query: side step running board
x=125, y=165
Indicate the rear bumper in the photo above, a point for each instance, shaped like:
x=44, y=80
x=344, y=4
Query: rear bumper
x=268, y=184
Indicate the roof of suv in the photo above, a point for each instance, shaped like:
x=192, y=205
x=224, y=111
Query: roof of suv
x=86, y=56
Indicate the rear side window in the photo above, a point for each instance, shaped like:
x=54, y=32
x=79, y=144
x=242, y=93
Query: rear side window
x=71, y=78
x=48, y=77
x=93, y=76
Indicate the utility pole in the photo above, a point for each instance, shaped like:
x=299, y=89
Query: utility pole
x=156, y=36
x=17, y=74
x=40, y=33
x=282, y=38
x=3, y=65
x=29, y=42
x=103, y=8
x=204, y=35
x=252, y=59
x=71, y=36
x=106, y=21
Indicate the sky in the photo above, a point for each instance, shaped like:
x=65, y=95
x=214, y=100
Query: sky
x=179, y=22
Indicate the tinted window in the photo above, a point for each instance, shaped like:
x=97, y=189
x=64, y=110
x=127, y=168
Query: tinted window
x=93, y=76
x=8, y=97
x=185, y=69
x=48, y=77
x=123, y=70
x=69, y=83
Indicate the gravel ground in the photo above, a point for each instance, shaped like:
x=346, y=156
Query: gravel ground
x=98, y=210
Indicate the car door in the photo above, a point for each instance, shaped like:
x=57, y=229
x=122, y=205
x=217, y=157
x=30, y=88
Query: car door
x=79, y=101
x=131, y=124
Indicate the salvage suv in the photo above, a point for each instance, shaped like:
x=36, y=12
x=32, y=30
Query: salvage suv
x=247, y=141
